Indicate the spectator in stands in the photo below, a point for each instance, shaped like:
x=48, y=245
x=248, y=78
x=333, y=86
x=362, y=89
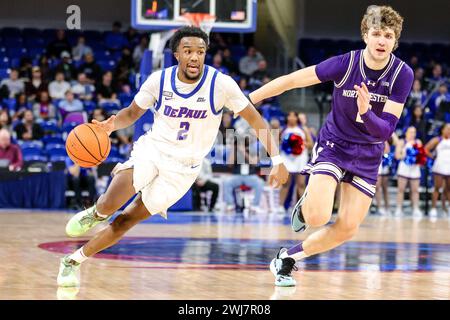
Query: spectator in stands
x=436, y=78
x=83, y=88
x=66, y=67
x=105, y=90
x=80, y=49
x=44, y=66
x=257, y=77
x=304, y=125
x=70, y=104
x=28, y=129
x=441, y=95
x=228, y=62
x=10, y=151
x=275, y=126
x=36, y=84
x=21, y=106
x=217, y=63
x=90, y=68
x=124, y=68
x=244, y=174
x=417, y=95
x=13, y=83
x=226, y=124
x=138, y=52
x=249, y=63
x=25, y=68
x=57, y=46
x=408, y=171
x=132, y=37
x=58, y=87
x=419, y=75
x=115, y=40
x=126, y=95
x=5, y=120
x=414, y=62
x=204, y=184
x=78, y=179
x=243, y=85
x=418, y=121
x=44, y=108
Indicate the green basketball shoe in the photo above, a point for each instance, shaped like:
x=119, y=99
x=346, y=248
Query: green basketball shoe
x=82, y=222
x=68, y=275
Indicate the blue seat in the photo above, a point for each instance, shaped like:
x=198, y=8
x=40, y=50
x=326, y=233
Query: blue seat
x=50, y=126
x=13, y=42
x=113, y=160
x=41, y=158
x=125, y=99
x=4, y=73
x=36, y=52
x=89, y=106
x=102, y=55
x=110, y=106
x=68, y=126
x=4, y=62
x=53, y=139
x=34, y=42
x=107, y=65
x=31, y=32
x=55, y=146
x=57, y=158
x=114, y=152
x=10, y=32
x=16, y=52
x=31, y=151
x=35, y=144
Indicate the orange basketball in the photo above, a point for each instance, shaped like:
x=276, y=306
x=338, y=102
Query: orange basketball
x=88, y=145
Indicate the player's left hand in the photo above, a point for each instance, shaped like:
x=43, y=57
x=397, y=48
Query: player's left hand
x=278, y=176
x=363, y=99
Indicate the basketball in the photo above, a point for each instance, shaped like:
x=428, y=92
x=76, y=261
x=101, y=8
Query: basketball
x=88, y=145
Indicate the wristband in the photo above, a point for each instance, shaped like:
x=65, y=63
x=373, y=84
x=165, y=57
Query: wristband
x=276, y=160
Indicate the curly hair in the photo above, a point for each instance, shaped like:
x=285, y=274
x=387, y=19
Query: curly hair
x=381, y=17
x=187, y=32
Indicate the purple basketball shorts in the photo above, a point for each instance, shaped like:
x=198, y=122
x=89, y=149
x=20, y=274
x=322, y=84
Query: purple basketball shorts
x=345, y=161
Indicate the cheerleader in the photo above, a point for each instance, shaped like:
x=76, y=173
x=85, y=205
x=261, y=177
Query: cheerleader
x=295, y=156
x=383, y=183
x=441, y=167
x=408, y=170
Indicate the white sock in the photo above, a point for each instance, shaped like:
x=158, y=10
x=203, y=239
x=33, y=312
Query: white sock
x=98, y=214
x=78, y=256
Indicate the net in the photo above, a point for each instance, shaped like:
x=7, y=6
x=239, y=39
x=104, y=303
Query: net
x=204, y=21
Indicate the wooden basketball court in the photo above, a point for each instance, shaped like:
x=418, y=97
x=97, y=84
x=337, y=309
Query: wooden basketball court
x=200, y=256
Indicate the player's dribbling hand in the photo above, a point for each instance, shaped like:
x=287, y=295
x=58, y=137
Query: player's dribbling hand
x=278, y=176
x=107, y=125
x=363, y=100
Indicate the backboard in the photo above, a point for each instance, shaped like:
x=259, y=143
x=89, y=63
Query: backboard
x=231, y=15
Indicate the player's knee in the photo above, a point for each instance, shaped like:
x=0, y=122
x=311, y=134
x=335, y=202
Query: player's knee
x=316, y=219
x=105, y=205
x=345, y=231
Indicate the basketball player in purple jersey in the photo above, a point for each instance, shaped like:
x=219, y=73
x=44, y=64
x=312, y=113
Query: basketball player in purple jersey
x=371, y=87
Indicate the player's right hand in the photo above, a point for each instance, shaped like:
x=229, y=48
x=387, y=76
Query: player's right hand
x=107, y=125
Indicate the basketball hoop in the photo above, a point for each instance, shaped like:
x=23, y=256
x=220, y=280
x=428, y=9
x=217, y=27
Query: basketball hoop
x=204, y=21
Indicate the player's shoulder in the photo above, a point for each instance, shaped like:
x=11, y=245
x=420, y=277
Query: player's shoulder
x=403, y=67
x=220, y=77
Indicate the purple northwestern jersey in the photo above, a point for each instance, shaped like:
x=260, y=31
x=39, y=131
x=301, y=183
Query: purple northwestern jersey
x=393, y=83
x=344, y=149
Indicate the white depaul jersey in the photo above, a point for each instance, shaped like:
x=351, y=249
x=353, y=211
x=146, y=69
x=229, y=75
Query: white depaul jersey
x=187, y=116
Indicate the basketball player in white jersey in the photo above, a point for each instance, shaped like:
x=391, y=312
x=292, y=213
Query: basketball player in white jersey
x=187, y=100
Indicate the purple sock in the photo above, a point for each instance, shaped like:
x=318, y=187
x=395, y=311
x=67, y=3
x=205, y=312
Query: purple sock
x=295, y=249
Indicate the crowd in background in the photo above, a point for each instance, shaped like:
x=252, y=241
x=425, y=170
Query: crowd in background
x=47, y=87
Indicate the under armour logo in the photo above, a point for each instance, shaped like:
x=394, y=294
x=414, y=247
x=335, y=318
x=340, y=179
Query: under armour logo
x=331, y=144
x=371, y=83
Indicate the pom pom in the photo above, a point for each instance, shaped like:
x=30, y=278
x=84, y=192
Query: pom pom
x=292, y=144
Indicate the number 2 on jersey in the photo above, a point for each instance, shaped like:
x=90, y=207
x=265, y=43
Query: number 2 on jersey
x=182, y=134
